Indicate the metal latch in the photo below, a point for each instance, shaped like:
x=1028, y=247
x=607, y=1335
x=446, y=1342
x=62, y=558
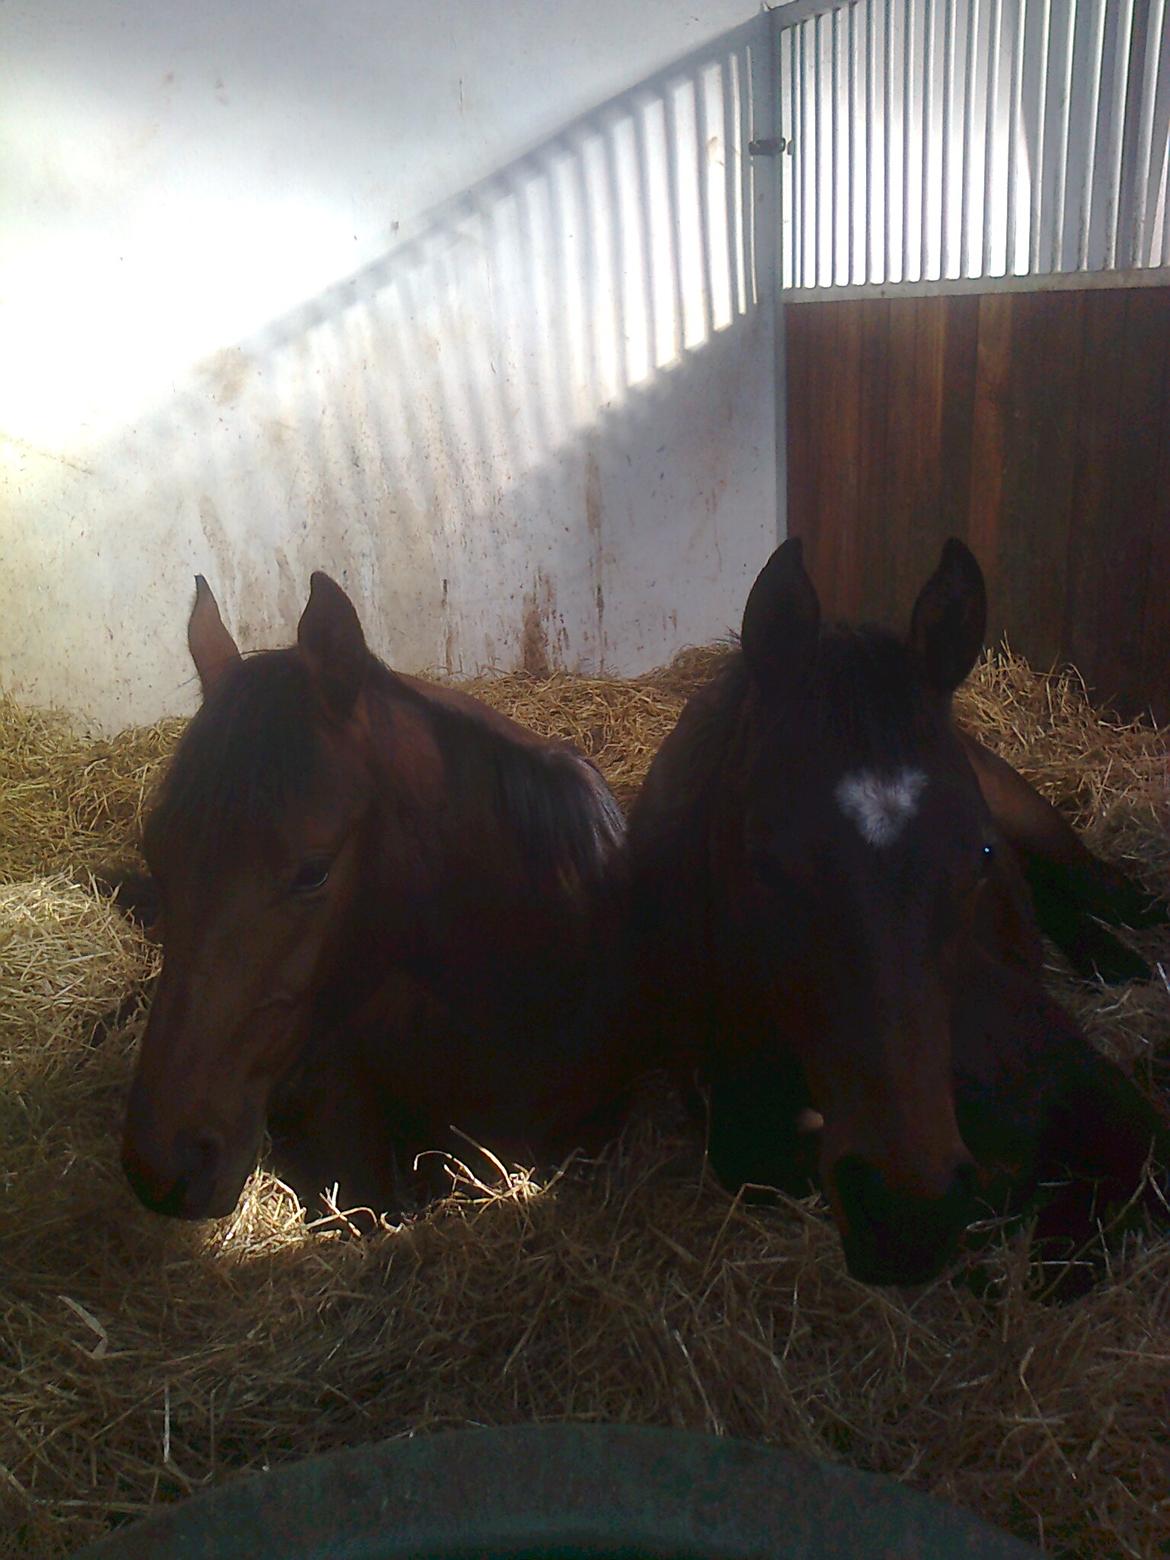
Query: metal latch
x=771, y=147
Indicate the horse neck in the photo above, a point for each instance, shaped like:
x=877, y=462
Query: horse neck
x=454, y=887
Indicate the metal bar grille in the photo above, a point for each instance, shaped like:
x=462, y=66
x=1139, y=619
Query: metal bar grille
x=935, y=140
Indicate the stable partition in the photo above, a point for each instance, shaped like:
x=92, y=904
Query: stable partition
x=1035, y=425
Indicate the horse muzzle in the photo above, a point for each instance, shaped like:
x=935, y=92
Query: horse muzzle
x=891, y=1236
x=195, y=1179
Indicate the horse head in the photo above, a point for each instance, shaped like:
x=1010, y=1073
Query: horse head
x=255, y=843
x=853, y=850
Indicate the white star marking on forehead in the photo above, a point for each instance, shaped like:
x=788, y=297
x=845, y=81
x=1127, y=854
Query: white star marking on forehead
x=880, y=805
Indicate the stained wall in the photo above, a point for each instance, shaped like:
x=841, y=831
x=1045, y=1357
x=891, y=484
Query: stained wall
x=468, y=305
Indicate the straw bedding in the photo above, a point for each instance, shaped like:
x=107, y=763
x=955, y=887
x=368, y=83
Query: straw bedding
x=141, y=1359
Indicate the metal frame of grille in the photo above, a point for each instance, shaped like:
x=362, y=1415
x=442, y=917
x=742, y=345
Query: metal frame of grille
x=949, y=141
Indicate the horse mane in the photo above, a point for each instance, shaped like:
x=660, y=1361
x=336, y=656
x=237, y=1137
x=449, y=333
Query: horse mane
x=246, y=754
x=564, y=818
x=251, y=750
x=686, y=773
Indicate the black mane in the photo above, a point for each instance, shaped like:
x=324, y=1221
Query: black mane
x=565, y=819
x=252, y=749
x=866, y=690
x=247, y=753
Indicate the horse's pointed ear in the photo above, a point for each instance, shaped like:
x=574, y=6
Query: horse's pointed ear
x=950, y=617
x=782, y=618
x=331, y=640
x=212, y=648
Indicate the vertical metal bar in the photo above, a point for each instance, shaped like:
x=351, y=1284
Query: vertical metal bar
x=1015, y=131
x=927, y=138
x=887, y=270
x=948, y=107
x=805, y=161
x=1160, y=169
x=969, y=78
x=1060, y=189
x=993, y=37
x=1131, y=181
x=1096, y=66
x=797, y=161
x=1037, y=205
x=834, y=160
x=867, y=269
x=796, y=150
x=908, y=56
x=784, y=173
x=765, y=99
x=815, y=161
x=1119, y=96
x=851, y=78
x=1155, y=22
x=1158, y=174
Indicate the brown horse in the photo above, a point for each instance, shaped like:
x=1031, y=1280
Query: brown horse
x=832, y=930
x=386, y=912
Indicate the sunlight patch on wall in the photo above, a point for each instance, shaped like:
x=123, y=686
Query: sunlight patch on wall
x=100, y=323
x=522, y=314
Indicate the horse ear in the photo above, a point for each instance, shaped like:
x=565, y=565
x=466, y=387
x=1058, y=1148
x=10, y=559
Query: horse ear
x=212, y=648
x=782, y=617
x=331, y=639
x=950, y=617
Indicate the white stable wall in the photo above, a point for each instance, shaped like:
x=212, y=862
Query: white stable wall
x=453, y=300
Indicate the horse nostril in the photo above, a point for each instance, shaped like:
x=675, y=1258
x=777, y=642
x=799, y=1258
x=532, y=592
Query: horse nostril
x=895, y=1236
x=199, y=1155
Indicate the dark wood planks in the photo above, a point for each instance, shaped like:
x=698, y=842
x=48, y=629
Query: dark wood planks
x=1036, y=426
x=1041, y=400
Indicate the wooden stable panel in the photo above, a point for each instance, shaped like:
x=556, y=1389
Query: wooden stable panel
x=1034, y=425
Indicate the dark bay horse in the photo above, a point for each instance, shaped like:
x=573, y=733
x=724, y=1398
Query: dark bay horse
x=833, y=932
x=386, y=911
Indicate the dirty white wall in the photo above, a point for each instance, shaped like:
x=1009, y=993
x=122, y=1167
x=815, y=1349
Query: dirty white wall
x=454, y=300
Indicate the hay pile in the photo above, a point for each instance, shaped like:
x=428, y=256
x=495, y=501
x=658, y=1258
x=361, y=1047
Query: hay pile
x=141, y=1359
x=68, y=803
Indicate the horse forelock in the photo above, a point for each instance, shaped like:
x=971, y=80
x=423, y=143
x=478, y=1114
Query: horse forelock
x=250, y=752
x=863, y=693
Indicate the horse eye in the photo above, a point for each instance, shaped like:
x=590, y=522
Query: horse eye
x=310, y=876
x=987, y=856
